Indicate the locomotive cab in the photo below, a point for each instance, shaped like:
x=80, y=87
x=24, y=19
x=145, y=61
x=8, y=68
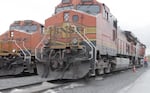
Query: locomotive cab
x=17, y=47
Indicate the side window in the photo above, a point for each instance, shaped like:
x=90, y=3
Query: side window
x=75, y=18
x=106, y=15
x=114, y=35
x=115, y=23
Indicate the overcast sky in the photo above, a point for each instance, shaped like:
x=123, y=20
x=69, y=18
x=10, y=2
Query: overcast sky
x=133, y=15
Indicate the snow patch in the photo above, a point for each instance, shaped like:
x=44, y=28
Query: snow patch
x=17, y=91
x=50, y=91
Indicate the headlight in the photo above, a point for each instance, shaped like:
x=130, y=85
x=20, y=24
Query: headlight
x=74, y=41
x=14, y=50
x=46, y=42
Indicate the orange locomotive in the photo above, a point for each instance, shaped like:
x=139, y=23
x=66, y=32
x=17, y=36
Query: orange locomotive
x=83, y=38
x=17, y=47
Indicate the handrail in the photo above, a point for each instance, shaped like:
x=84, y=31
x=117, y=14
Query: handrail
x=91, y=44
x=26, y=50
x=86, y=40
x=37, y=48
x=89, y=40
x=19, y=48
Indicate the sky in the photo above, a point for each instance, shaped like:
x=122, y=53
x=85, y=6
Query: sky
x=132, y=15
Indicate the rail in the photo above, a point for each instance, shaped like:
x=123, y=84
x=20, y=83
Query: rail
x=31, y=84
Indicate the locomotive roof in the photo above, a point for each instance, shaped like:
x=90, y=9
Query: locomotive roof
x=25, y=21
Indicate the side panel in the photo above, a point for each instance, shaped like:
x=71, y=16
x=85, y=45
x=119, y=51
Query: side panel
x=104, y=34
x=123, y=46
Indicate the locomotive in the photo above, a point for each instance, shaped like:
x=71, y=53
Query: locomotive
x=82, y=38
x=17, y=47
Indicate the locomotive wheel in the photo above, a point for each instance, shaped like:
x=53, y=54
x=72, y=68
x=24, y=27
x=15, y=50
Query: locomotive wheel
x=54, y=64
x=87, y=77
x=99, y=71
x=108, y=69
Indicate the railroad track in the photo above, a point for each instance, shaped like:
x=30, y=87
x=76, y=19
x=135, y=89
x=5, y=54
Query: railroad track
x=31, y=84
x=35, y=84
x=33, y=88
x=20, y=82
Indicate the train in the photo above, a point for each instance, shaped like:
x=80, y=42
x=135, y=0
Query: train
x=17, y=47
x=82, y=38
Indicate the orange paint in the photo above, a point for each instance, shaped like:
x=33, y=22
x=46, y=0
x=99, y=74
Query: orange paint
x=7, y=40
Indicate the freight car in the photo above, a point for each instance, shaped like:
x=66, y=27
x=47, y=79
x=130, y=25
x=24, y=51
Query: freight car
x=17, y=47
x=83, y=38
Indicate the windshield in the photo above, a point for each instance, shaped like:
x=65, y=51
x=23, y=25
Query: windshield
x=59, y=9
x=26, y=28
x=91, y=9
x=65, y=1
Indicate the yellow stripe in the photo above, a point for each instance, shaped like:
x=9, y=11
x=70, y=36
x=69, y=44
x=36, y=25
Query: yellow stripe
x=91, y=30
